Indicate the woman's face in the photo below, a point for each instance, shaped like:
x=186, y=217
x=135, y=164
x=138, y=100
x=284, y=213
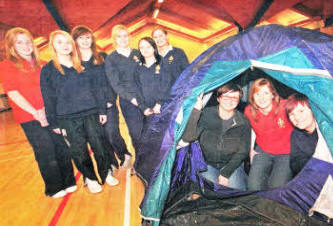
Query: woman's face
x=84, y=41
x=263, y=98
x=23, y=46
x=302, y=117
x=146, y=49
x=62, y=45
x=229, y=101
x=122, y=39
x=160, y=38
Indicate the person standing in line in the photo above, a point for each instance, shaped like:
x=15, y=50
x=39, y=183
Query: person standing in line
x=120, y=68
x=224, y=135
x=153, y=79
x=75, y=105
x=270, y=157
x=172, y=57
x=21, y=81
x=93, y=61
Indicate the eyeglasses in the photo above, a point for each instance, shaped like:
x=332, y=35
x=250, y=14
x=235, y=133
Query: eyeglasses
x=230, y=98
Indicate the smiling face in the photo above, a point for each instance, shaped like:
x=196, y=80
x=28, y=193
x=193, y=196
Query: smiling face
x=146, y=49
x=122, y=39
x=84, y=41
x=62, y=45
x=229, y=101
x=302, y=118
x=23, y=46
x=263, y=98
x=160, y=38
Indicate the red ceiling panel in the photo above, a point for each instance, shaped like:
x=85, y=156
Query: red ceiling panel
x=88, y=12
x=31, y=14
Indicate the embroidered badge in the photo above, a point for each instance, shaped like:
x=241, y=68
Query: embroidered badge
x=170, y=59
x=157, y=69
x=281, y=123
x=135, y=58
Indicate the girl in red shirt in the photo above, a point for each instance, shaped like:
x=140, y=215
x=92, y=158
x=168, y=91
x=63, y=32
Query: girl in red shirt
x=270, y=159
x=21, y=81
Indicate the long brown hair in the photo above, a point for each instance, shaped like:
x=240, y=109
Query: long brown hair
x=256, y=86
x=83, y=30
x=11, y=53
x=74, y=56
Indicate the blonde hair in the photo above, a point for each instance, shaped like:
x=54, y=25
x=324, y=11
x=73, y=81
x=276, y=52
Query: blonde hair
x=116, y=30
x=83, y=30
x=255, y=87
x=11, y=53
x=74, y=55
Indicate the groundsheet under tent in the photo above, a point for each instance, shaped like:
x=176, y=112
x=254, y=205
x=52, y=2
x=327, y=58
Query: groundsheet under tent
x=299, y=58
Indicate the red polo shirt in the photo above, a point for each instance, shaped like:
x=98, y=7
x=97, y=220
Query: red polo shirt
x=27, y=83
x=272, y=131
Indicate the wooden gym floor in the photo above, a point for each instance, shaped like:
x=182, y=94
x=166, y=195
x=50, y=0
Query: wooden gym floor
x=22, y=199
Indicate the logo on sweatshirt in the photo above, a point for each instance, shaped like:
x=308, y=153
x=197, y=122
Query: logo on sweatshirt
x=157, y=69
x=135, y=58
x=170, y=59
x=281, y=123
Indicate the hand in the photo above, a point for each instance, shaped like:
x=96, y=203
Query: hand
x=134, y=102
x=103, y=119
x=199, y=104
x=252, y=154
x=57, y=131
x=40, y=116
x=223, y=181
x=157, y=109
x=109, y=105
x=148, y=112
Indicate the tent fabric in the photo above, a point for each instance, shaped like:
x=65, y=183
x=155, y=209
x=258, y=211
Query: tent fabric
x=293, y=47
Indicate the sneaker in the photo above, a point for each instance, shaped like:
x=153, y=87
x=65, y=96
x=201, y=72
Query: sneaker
x=59, y=194
x=110, y=180
x=93, y=186
x=71, y=189
x=127, y=162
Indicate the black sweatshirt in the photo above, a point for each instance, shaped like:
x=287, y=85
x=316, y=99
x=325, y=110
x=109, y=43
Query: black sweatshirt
x=120, y=72
x=99, y=70
x=71, y=95
x=302, y=147
x=175, y=61
x=154, y=84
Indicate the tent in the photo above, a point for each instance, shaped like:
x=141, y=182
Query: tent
x=298, y=58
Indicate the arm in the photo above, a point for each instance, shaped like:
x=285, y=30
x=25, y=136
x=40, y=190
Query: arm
x=19, y=100
x=193, y=128
x=49, y=96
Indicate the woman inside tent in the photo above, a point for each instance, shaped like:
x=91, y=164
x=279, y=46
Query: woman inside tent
x=224, y=135
x=75, y=103
x=21, y=81
x=153, y=80
x=93, y=62
x=120, y=67
x=267, y=116
x=304, y=137
x=173, y=58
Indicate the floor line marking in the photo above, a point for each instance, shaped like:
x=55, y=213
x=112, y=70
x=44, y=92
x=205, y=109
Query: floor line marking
x=127, y=206
x=62, y=205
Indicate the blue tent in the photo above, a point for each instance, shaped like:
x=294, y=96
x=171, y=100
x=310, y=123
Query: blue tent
x=299, y=58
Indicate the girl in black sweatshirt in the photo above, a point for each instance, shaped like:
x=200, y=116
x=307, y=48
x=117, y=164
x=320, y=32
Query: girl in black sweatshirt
x=75, y=105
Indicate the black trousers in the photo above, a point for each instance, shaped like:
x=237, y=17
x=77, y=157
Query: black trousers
x=113, y=134
x=52, y=156
x=134, y=120
x=79, y=131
